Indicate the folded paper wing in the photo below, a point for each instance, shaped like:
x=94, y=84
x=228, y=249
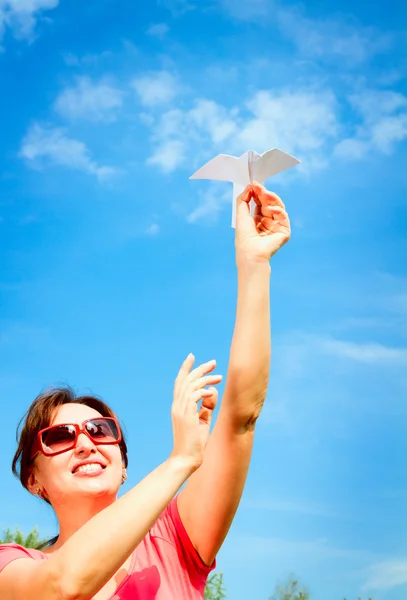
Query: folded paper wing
x=245, y=169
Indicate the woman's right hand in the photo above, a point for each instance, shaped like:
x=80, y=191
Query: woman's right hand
x=191, y=425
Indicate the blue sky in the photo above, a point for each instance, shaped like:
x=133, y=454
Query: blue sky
x=114, y=266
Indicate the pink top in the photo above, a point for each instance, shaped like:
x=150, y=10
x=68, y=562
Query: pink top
x=164, y=566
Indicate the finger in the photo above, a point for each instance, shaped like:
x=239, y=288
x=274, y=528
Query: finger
x=246, y=195
x=270, y=210
x=276, y=219
x=191, y=400
x=274, y=213
x=244, y=222
x=205, y=416
x=187, y=403
x=266, y=224
x=202, y=370
x=265, y=196
x=208, y=406
x=211, y=400
x=255, y=197
x=192, y=388
x=184, y=372
x=207, y=380
x=267, y=227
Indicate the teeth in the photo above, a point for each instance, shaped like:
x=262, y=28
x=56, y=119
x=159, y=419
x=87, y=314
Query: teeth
x=88, y=468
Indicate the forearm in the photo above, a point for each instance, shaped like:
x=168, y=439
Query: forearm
x=94, y=553
x=249, y=362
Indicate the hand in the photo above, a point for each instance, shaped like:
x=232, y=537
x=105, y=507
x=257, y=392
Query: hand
x=260, y=236
x=191, y=425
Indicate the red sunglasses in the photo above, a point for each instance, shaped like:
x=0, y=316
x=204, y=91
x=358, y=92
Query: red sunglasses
x=61, y=438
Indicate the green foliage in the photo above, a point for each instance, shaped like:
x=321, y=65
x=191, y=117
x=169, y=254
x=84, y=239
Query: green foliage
x=291, y=590
x=215, y=589
x=32, y=540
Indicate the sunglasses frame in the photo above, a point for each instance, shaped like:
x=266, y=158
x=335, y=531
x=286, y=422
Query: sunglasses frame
x=38, y=445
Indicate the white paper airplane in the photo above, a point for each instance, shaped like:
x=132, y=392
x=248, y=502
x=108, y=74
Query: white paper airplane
x=244, y=170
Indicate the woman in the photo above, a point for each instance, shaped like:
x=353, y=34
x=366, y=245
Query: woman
x=151, y=543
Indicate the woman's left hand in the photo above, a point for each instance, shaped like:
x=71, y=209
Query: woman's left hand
x=260, y=236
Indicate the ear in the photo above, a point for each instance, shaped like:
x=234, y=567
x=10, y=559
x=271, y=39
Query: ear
x=32, y=483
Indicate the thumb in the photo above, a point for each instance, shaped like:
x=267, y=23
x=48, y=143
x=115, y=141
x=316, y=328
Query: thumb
x=244, y=221
x=208, y=406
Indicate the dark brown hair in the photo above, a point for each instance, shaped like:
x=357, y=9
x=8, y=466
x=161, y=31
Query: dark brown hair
x=39, y=416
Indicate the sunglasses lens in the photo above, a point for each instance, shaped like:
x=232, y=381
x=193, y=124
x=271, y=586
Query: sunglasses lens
x=103, y=431
x=59, y=438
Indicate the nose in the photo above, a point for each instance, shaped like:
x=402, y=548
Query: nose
x=84, y=445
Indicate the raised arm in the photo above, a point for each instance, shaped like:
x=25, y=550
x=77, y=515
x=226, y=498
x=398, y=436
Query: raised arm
x=92, y=555
x=209, y=501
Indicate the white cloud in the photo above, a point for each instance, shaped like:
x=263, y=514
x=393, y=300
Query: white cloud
x=324, y=384
x=43, y=146
x=153, y=229
x=399, y=303
x=247, y=9
x=382, y=123
x=170, y=125
x=387, y=575
x=211, y=202
x=87, y=100
x=177, y=7
x=216, y=121
x=158, y=30
x=156, y=88
x=372, y=353
x=175, y=131
x=168, y=155
x=322, y=38
x=289, y=506
x=300, y=345
x=303, y=121
x=352, y=148
x=72, y=60
x=355, y=323
x=375, y=103
x=388, y=131
x=21, y=15
x=330, y=38
x=299, y=121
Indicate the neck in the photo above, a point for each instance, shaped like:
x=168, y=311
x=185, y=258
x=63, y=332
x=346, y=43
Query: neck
x=73, y=515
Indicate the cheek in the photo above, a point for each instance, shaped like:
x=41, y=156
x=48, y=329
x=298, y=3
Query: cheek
x=57, y=468
x=114, y=457
x=55, y=476
x=52, y=473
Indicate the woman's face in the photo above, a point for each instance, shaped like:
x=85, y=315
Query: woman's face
x=59, y=477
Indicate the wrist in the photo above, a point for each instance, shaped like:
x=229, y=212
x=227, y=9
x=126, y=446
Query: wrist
x=251, y=263
x=184, y=466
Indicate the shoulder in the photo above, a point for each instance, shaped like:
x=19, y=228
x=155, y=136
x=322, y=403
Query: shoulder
x=11, y=552
x=23, y=572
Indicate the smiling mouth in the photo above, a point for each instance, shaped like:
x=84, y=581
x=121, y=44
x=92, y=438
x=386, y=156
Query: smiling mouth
x=89, y=469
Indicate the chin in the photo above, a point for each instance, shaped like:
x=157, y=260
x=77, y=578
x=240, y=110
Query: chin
x=95, y=486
